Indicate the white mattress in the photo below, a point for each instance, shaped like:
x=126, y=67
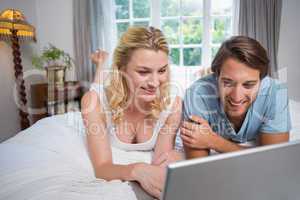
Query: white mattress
x=49, y=161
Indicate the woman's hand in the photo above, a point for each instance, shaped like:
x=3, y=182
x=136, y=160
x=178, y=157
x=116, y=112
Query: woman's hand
x=98, y=58
x=151, y=178
x=167, y=157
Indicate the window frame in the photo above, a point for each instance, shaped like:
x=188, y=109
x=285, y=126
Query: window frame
x=206, y=46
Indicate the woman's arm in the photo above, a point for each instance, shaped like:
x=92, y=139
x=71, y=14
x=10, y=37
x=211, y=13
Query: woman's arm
x=98, y=143
x=150, y=177
x=163, y=152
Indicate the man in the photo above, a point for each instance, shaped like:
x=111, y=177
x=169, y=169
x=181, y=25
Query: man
x=236, y=104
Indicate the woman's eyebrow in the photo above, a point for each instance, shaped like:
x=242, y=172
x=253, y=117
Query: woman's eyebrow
x=149, y=68
x=143, y=67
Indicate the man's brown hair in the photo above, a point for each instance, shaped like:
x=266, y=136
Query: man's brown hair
x=245, y=50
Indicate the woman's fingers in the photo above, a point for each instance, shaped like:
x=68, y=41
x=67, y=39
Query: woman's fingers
x=152, y=190
x=156, y=192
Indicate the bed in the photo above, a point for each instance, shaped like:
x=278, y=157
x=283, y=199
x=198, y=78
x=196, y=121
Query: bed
x=49, y=160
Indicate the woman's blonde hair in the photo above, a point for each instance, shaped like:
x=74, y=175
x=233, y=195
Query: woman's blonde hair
x=118, y=89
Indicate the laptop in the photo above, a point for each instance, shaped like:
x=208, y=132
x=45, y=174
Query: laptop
x=263, y=173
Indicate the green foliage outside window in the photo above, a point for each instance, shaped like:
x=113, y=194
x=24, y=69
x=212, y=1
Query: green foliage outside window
x=190, y=28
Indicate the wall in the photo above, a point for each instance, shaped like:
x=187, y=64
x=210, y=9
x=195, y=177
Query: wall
x=289, y=47
x=53, y=22
x=55, y=25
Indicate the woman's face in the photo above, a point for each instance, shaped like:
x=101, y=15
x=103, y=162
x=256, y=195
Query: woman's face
x=146, y=71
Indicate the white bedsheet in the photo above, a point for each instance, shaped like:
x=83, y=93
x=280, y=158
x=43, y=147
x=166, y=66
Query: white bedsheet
x=49, y=161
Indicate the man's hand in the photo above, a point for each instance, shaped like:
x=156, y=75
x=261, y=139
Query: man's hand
x=197, y=134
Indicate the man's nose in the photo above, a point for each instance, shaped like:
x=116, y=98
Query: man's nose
x=237, y=94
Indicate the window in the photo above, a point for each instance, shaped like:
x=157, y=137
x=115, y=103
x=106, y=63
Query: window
x=194, y=29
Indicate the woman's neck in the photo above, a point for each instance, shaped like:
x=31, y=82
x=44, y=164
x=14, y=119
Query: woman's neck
x=139, y=107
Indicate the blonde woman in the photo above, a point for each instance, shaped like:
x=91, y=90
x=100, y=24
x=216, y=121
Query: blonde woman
x=134, y=111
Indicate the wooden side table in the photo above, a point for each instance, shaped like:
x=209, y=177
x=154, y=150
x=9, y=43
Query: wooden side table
x=47, y=101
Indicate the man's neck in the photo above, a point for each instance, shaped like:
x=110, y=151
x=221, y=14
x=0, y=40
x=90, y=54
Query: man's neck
x=237, y=122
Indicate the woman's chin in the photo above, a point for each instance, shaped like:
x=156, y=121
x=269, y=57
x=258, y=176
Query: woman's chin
x=147, y=97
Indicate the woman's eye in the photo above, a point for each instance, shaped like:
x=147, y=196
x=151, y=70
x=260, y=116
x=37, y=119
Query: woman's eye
x=142, y=72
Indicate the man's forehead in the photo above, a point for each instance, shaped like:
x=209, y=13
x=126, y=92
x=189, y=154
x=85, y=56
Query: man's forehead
x=237, y=71
x=225, y=78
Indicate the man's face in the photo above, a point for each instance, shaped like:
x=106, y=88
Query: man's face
x=238, y=87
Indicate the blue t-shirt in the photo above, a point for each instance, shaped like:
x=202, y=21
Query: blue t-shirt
x=269, y=113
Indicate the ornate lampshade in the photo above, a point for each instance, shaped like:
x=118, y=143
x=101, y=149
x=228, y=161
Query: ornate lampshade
x=12, y=19
x=13, y=27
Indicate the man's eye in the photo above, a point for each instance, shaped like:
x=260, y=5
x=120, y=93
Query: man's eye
x=249, y=86
x=227, y=84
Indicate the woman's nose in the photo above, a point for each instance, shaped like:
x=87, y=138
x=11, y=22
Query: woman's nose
x=153, y=81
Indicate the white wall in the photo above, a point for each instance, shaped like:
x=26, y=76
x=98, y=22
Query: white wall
x=55, y=25
x=53, y=22
x=289, y=47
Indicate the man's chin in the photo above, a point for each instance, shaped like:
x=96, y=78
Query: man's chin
x=235, y=114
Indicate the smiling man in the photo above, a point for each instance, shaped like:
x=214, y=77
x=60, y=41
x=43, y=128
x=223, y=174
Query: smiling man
x=237, y=104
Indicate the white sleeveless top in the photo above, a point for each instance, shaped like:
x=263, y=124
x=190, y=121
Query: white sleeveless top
x=111, y=127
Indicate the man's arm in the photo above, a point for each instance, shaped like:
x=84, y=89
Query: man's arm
x=269, y=138
x=191, y=153
x=198, y=136
x=223, y=145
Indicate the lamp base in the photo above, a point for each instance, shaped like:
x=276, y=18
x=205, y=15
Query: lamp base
x=24, y=121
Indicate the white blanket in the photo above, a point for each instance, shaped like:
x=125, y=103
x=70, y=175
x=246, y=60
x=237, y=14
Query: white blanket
x=50, y=161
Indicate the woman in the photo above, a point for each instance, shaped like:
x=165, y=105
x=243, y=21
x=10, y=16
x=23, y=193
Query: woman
x=134, y=111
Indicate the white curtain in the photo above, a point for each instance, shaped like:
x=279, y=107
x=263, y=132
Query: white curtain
x=103, y=26
x=236, y=13
x=94, y=28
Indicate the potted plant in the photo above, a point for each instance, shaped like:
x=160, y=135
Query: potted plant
x=55, y=61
